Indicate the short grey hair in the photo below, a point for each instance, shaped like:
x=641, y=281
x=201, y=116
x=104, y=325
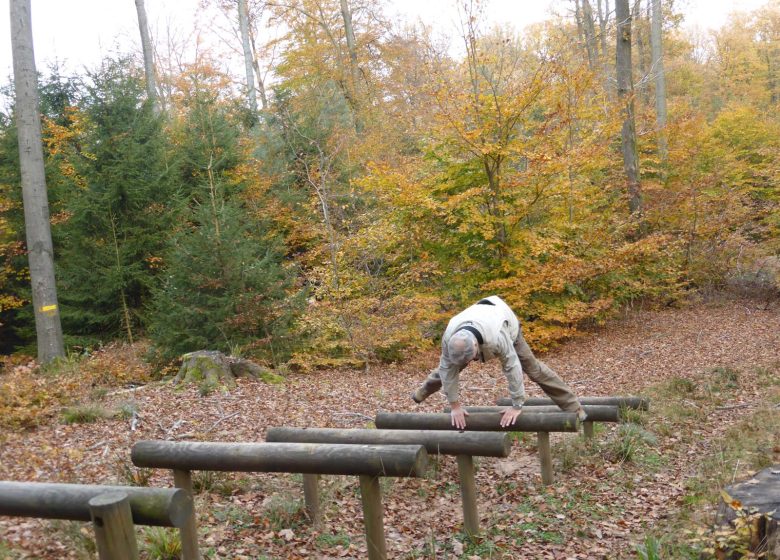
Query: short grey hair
x=461, y=347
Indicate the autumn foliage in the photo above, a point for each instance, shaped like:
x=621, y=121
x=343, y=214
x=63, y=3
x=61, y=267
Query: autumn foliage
x=391, y=180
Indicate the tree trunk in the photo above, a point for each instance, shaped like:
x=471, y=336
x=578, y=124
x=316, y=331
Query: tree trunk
x=40, y=250
x=590, y=34
x=603, y=15
x=346, y=14
x=640, y=32
x=660, y=79
x=146, y=46
x=625, y=91
x=243, y=24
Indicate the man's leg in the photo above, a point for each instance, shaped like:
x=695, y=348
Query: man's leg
x=548, y=380
x=431, y=384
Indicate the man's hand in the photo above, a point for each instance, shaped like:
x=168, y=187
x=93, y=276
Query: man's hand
x=510, y=416
x=458, y=415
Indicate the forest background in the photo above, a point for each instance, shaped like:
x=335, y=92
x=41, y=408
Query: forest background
x=364, y=182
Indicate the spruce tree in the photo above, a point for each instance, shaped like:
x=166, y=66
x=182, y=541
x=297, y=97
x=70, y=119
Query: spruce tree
x=121, y=216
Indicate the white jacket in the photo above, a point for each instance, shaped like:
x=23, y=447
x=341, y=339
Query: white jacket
x=499, y=328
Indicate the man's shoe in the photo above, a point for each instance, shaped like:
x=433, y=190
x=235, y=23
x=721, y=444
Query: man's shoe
x=581, y=414
x=419, y=395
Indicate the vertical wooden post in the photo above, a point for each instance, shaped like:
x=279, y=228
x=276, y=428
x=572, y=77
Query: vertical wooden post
x=371, y=496
x=468, y=494
x=189, y=532
x=114, y=529
x=545, y=456
x=587, y=429
x=311, y=495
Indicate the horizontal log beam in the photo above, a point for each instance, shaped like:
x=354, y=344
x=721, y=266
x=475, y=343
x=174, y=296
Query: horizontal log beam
x=163, y=507
x=436, y=442
x=596, y=413
x=635, y=403
x=526, y=422
x=305, y=458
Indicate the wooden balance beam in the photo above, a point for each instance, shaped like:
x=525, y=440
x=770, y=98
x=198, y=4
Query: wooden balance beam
x=369, y=462
x=596, y=413
x=542, y=423
x=635, y=403
x=464, y=445
x=113, y=510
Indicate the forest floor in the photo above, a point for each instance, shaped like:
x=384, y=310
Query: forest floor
x=711, y=369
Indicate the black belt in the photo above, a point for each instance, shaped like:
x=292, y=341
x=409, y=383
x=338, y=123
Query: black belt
x=473, y=331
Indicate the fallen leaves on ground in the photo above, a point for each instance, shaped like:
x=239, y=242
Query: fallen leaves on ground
x=595, y=509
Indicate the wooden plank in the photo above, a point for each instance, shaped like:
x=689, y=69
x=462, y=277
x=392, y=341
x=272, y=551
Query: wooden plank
x=436, y=442
x=526, y=422
x=635, y=403
x=113, y=524
x=373, y=517
x=189, y=531
x=304, y=458
x=468, y=494
x=311, y=496
x=545, y=457
x=596, y=413
x=164, y=507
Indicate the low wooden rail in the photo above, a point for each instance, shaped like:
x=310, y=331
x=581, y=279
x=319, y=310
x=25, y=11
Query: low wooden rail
x=113, y=510
x=464, y=445
x=632, y=403
x=540, y=422
x=596, y=413
x=635, y=403
x=369, y=462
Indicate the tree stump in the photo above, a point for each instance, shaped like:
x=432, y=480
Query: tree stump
x=213, y=367
x=760, y=494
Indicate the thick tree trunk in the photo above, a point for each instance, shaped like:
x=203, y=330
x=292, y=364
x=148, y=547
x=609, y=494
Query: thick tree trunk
x=625, y=90
x=660, y=78
x=146, y=46
x=243, y=25
x=36, y=203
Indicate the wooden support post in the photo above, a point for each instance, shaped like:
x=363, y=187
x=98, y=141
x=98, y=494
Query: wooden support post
x=114, y=529
x=189, y=531
x=587, y=429
x=468, y=494
x=373, y=517
x=311, y=495
x=545, y=457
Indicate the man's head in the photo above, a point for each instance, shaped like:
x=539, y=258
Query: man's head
x=462, y=347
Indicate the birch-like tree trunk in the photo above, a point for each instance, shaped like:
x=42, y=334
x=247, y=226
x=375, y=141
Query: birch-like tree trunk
x=625, y=89
x=660, y=78
x=146, y=47
x=346, y=14
x=40, y=251
x=243, y=25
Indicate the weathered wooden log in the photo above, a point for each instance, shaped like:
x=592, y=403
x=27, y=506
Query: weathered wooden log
x=596, y=413
x=373, y=517
x=526, y=422
x=635, y=403
x=188, y=532
x=164, y=507
x=545, y=457
x=436, y=442
x=305, y=458
x=468, y=494
x=112, y=520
